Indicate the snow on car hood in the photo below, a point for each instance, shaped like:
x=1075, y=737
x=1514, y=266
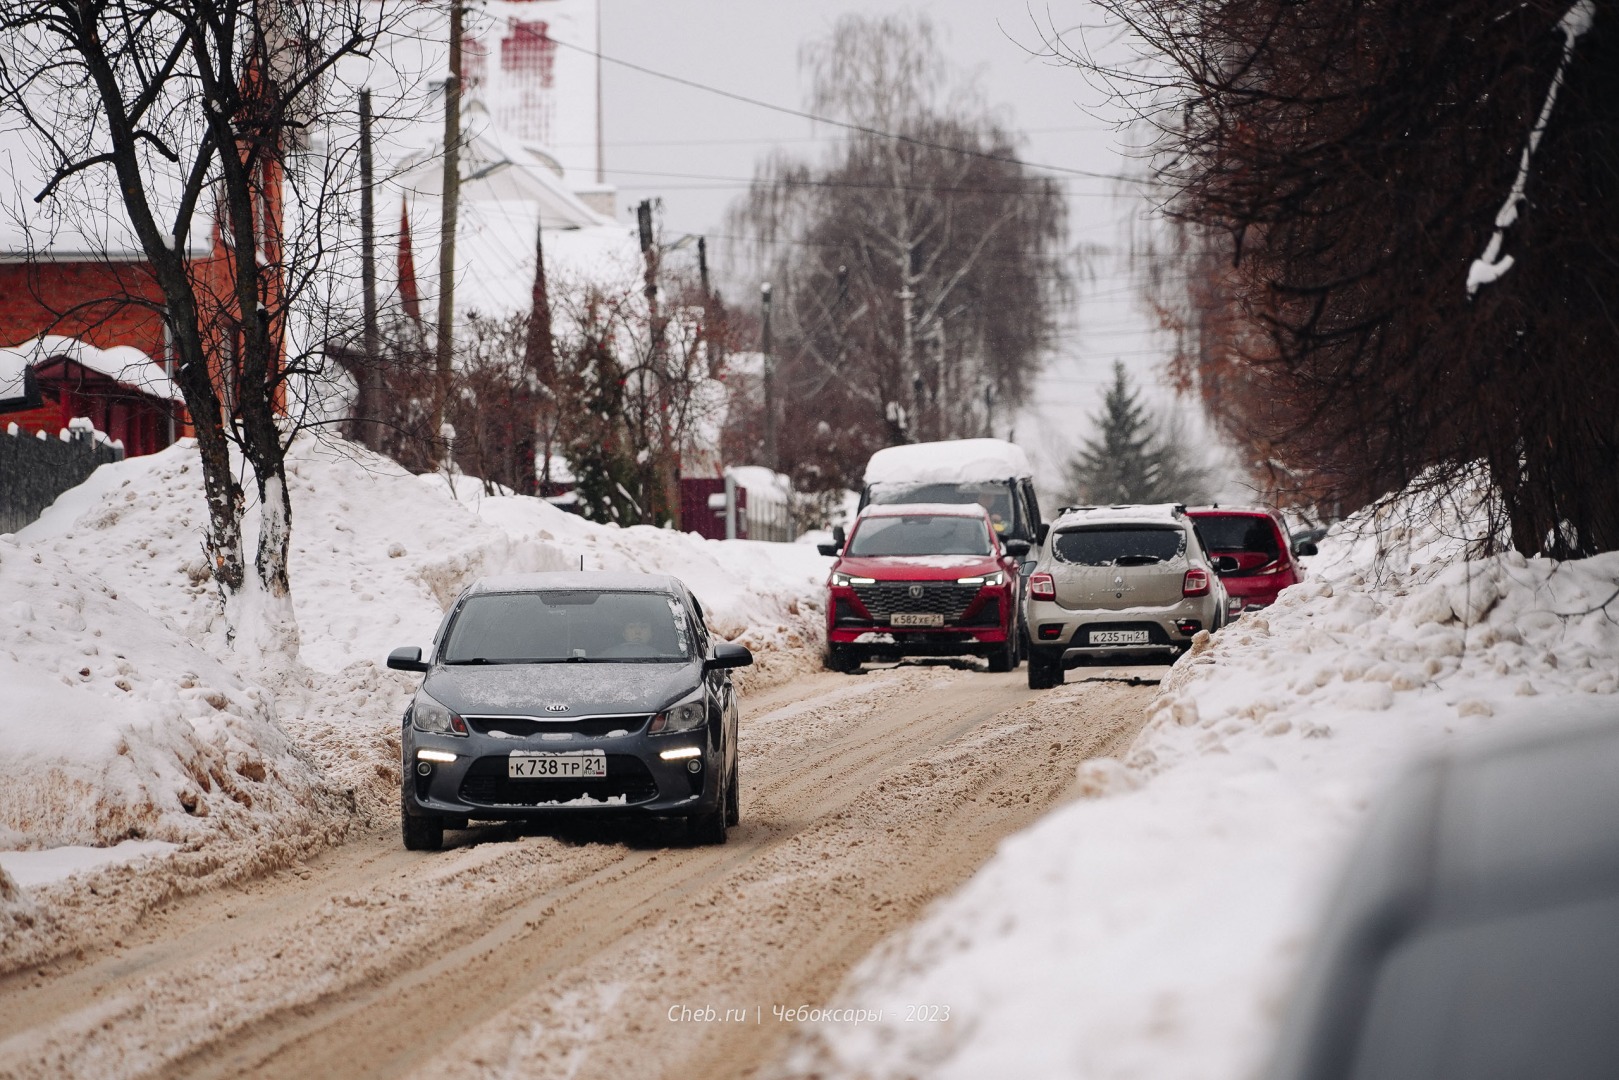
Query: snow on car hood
x=586, y=688
x=919, y=567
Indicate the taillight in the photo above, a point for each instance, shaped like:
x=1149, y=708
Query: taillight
x=1042, y=587
x=1196, y=582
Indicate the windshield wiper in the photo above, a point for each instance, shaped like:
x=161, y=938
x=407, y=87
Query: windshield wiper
x=1136, y=560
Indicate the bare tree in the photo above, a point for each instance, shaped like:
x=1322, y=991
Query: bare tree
x=1402, y=244
x=915, y=271
x=193, y=114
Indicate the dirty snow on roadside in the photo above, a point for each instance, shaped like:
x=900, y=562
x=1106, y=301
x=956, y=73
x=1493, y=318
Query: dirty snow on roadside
x=129, y=717
x=1152, y=927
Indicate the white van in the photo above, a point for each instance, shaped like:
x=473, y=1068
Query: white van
x=990, y=472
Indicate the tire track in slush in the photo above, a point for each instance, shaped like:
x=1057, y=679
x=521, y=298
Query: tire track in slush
x=543, y=955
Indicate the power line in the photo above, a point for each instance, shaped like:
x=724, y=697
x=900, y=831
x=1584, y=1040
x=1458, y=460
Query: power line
x=764, y=141
x=732, y=182
x=861, y=128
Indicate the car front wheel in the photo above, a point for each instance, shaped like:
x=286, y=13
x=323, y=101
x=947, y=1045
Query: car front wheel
x=1004, y=656
x=733, y=798
x=421, y=833
x=709, y=826
x=841, y=658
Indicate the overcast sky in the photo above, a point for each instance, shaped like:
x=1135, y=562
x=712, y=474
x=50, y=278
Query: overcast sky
x=696, y=149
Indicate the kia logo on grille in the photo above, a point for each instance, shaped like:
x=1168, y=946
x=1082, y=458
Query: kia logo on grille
x=916, y=592
x=556, y=708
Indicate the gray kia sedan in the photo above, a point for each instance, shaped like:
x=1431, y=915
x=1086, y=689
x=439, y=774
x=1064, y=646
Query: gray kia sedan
x=571, y=693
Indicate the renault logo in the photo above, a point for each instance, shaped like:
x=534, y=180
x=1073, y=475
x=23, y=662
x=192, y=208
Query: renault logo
x=916, y=592
x=558, y=707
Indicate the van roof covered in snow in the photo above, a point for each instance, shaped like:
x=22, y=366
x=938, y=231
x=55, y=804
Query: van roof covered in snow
x=957, y=461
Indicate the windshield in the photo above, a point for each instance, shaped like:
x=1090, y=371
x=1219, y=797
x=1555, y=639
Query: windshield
x=580, y=625
x=1238, y=532
x=920, y=534
x=994, y=496
x=1129, y=545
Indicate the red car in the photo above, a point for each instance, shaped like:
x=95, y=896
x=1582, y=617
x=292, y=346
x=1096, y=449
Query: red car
x=923, y=579
x=1256, y=538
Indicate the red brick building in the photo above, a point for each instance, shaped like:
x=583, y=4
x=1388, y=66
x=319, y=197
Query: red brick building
x=85, y=318
x=86, y=327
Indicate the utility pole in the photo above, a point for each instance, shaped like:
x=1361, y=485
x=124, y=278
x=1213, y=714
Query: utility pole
x=601, y=159
x=368, y=429
x=769, y=365
x=907, y=353
x=446, y=245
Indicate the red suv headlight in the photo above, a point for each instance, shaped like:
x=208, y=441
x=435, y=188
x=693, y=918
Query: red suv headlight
x=1042, y=586
x=1196, y=582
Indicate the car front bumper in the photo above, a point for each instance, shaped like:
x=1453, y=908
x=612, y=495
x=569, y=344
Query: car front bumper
x=639, y=779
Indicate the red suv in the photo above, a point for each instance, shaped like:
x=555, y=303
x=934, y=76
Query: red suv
x=923, y=579
x=1255, y=537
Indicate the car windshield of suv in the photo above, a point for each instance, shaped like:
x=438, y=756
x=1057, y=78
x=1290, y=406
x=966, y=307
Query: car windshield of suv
x=919, y=534
x=994, y=496
x=1238, y=532
x=577, y=625
x=1119, y=545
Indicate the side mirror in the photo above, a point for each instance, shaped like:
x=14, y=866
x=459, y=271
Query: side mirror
x=1016, y=548
x=829, y=549
x=406, y=659
x=727, y=655
x=1304, y=549
x=1225, y=564
x=1042, y=532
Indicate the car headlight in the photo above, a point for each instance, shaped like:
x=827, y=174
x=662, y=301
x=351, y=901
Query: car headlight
x=997, y=578
x=839, y=578
x=427, y=714
x=687, y=715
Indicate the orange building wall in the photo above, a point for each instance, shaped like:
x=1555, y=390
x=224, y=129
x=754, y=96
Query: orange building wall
x=105, y=304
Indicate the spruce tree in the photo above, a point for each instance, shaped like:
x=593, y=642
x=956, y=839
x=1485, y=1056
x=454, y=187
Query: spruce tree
x=594, y=439
x=1132, y=458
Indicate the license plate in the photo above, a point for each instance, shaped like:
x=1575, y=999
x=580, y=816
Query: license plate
x=534, y=765
x=1118, y=637
x=916, y=618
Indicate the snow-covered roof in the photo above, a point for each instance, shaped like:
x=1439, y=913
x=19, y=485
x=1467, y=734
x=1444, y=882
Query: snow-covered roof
x=498, y=167
x=1145, y=513
x=94, y=227
x=126, y=365
x=957, y=461
x=761, y=483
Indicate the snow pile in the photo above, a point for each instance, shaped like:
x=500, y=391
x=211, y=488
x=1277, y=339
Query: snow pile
x=1153, y=928
x=116, y=727
x=129, y=715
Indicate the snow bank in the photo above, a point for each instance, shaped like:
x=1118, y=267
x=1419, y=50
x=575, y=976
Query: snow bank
x=130, y=714
x=957, y=461
x=117, y=727
x=1153, y=927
